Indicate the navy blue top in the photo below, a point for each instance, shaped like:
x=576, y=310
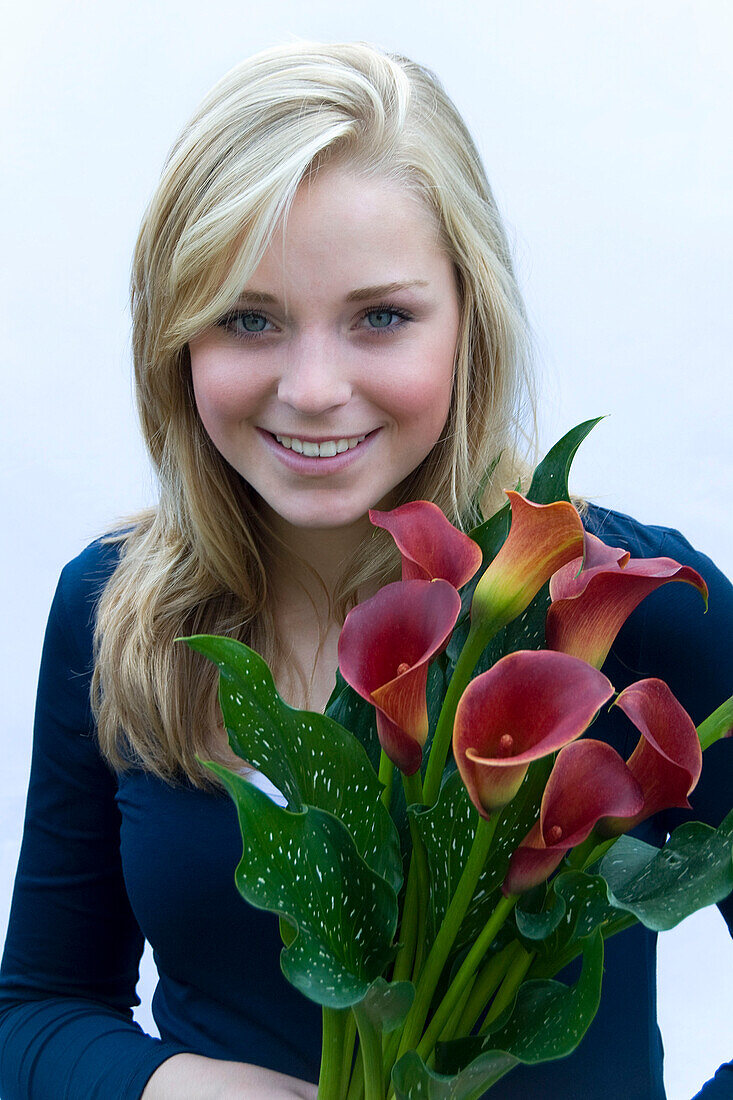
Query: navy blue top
x=108, y=861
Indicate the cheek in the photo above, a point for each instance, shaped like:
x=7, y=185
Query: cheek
x=223, y=393
x=421, y=396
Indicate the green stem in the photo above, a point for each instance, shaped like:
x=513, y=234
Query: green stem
x=334, y=1026
x=447, y=933
x=716, y=725
x=589, y=851
x=486, y=984
x=474, y=646
x=465, y=973
x=386, y=771
x=370, y=1042
x=348, y=1054
x=418, y=910
x=520, y=964
x=408, y=929
x=356, y=1088
x=451, y=1028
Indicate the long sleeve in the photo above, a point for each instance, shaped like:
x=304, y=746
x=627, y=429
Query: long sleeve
x=70, y=964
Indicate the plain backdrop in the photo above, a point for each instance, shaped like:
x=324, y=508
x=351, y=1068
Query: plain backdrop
x=606, y=132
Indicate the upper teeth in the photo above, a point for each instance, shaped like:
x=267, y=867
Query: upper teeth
x=327, y=449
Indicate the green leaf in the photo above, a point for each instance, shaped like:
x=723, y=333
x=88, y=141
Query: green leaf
x=312, y=759
x=387, y=1003
x=662, y=887
x=355, y=714
x=305, y=867
x=448, y=829
x=412, y=1079
x=537, y=915
x=576, y=904
x=548, y=1021
x=550, y=478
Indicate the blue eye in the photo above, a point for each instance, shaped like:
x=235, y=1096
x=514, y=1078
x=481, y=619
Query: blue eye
x=245, y=318
x=383, y=315
x=244, y=323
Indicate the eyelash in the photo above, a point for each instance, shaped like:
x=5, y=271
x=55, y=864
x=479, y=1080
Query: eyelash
x=229, y=321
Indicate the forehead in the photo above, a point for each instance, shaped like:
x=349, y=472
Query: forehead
x=345, y=225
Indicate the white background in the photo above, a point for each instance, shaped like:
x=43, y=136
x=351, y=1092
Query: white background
x=606, y=132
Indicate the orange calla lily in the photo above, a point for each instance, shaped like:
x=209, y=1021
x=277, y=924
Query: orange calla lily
x=542, y=538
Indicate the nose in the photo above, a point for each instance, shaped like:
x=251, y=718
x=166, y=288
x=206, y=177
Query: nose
x=314, y=378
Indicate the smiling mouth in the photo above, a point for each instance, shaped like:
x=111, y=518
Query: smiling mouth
x=328, y=449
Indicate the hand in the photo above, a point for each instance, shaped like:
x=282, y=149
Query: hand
x=193, y=1077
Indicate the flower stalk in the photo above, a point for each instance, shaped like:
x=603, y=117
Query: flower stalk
x=332, y=1052
x=371, y=1048
x=515, y=975
x=428, y=981
x=465, y=974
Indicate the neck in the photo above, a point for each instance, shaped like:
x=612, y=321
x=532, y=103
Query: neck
x=325, y=550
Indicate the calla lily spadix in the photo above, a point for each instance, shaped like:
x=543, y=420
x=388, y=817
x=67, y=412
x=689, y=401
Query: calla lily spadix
x=588, y=782
x=589, y=607
x=542, y=538
x=528, y=705
x=667, y=760
x=384, y=649
x=431, y=547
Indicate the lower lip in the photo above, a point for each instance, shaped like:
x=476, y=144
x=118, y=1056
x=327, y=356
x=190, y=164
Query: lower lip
x=315, y=467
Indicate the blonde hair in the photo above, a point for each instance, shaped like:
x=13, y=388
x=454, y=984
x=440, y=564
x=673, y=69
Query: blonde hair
x=199, y=561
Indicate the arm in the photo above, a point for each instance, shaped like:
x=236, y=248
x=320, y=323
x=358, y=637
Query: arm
x=191, y=1077
x=71, y=957
x=705, y=679
x=691, y=651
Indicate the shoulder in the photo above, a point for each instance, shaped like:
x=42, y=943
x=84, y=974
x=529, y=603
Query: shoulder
x=81, y=583
x=645, y=540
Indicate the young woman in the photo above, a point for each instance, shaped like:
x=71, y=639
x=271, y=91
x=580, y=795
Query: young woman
x=325, y=320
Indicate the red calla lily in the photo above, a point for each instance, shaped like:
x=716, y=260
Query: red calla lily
x=667, y=760
x=541, y=539
x=588, y=782
x=590, y=606
x=431, y=547
x=570, y=580
x=529, y=704
x=384, y=649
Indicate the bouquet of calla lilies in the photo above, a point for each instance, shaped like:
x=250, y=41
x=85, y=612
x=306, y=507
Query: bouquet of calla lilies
x=429, y=917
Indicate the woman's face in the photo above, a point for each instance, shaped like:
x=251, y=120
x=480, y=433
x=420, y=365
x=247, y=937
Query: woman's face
x=347, y=329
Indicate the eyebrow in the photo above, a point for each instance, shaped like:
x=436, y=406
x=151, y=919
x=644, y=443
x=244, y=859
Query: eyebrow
x=364, y=293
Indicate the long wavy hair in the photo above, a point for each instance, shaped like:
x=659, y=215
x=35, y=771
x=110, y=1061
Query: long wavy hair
x=199, y=561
